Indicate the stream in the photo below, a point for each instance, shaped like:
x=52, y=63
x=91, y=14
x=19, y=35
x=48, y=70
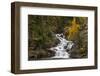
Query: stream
x=62, y=48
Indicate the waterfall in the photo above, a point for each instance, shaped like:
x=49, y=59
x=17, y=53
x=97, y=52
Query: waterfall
x=61, y=48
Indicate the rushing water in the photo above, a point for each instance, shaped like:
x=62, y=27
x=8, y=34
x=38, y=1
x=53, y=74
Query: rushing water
x=61, y=48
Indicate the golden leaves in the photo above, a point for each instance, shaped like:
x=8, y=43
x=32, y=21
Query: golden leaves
x=73, y=29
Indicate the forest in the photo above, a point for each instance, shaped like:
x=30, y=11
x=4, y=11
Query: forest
x=41, y=31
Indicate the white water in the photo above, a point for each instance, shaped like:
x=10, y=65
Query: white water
x=60, y=50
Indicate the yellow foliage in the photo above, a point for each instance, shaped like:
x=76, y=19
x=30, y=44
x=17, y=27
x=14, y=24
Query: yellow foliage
x=73, y=29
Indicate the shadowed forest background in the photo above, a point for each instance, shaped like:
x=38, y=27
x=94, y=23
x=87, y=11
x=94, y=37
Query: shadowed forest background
x=41, y=30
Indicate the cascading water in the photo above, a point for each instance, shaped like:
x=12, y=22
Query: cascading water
x=61, y=48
